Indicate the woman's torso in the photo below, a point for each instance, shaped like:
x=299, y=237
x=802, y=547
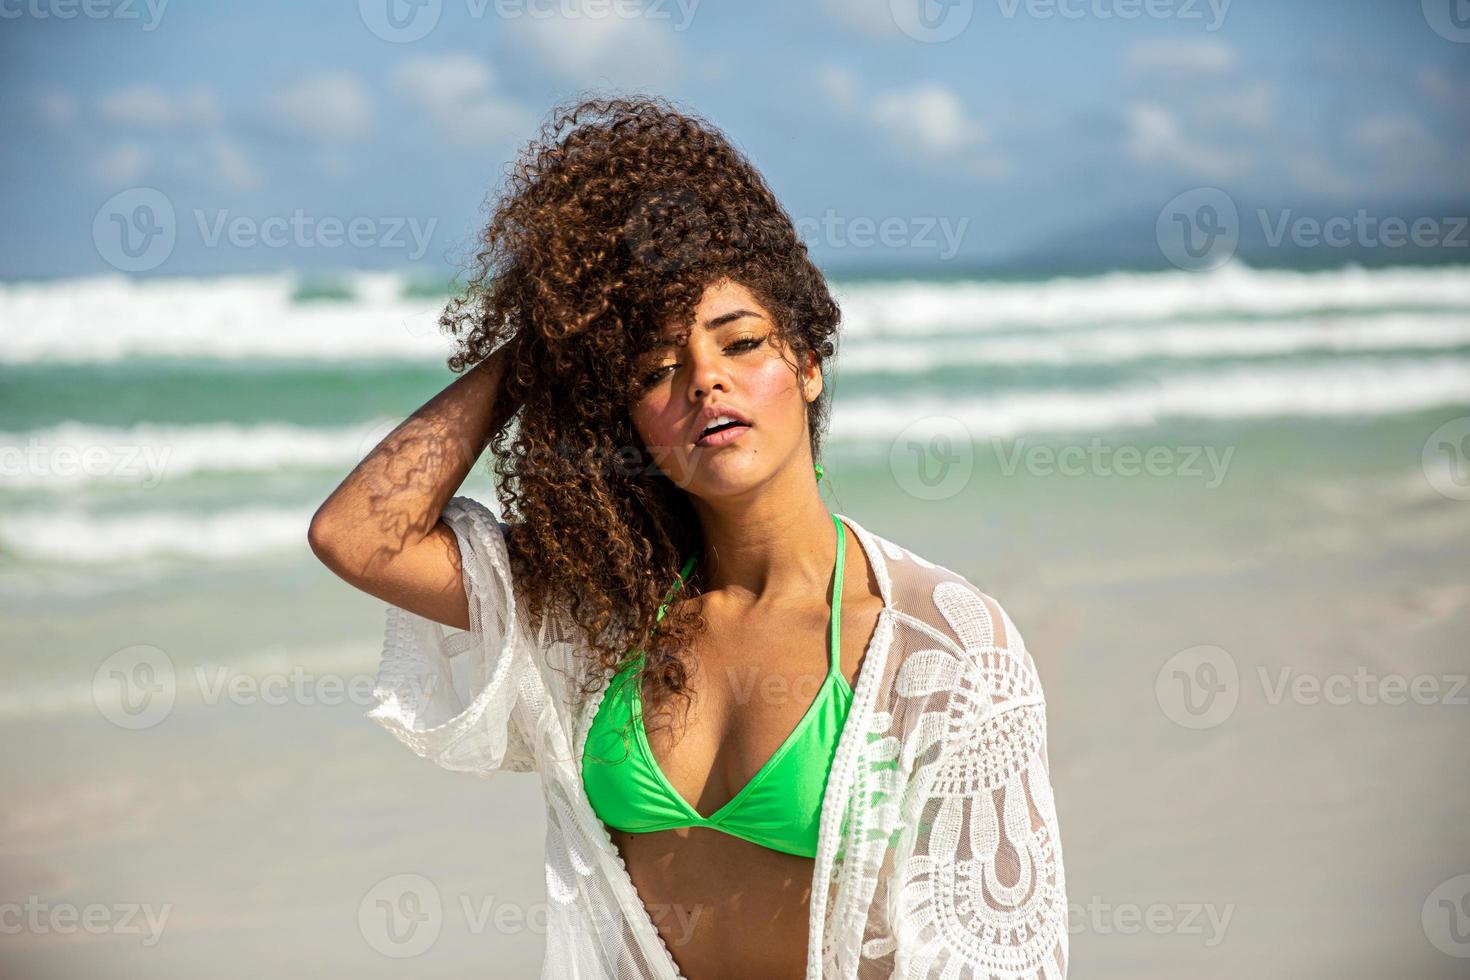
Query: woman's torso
x=723, y=905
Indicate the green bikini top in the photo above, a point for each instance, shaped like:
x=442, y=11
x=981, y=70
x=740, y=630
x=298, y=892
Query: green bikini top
x=781, y=806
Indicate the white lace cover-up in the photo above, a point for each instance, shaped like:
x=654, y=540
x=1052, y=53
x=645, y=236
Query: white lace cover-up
x=939, y=853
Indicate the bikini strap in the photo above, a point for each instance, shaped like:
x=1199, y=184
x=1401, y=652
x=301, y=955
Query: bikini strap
x=836, y=655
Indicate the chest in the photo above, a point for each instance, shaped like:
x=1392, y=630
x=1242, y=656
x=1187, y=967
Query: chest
x=753, y=680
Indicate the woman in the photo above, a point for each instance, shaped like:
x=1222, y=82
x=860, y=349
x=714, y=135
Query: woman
x=856, y=781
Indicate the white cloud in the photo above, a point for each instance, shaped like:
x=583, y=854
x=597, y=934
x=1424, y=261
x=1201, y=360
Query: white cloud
x=1155, y=136
x=929, y=116
x=458, y=93
x=232, y=166
x=1394, y=133
x=332, y=105
x=1250, y=106
x=152, y=106
x=632, y=52
x=123, y=164
x=927, y=122
x=1183, y=58
x=1438, y=86
x=872, y=17
x=839, y=85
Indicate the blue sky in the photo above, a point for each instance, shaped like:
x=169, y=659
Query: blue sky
x=1036, y=118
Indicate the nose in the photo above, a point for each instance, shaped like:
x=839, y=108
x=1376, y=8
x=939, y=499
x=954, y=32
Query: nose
x=708, y=370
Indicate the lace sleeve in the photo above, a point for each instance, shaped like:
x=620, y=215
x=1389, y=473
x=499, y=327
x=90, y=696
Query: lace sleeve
x=986, y=886
x=452, y=695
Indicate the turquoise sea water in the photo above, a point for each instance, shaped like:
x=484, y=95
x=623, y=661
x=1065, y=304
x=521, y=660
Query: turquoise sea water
x=1274, y=461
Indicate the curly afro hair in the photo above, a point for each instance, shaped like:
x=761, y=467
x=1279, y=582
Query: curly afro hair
x=613, y=222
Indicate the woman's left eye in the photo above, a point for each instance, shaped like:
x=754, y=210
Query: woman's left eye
x=749, y=343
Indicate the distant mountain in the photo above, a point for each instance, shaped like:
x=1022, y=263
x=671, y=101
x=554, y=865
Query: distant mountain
x=1284, y=236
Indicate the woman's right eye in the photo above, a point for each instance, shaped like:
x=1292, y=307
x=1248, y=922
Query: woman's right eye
x=656, y=376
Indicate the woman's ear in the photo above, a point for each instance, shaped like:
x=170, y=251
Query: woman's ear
x=811, y=377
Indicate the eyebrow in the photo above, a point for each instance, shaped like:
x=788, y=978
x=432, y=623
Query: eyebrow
x=713, y=323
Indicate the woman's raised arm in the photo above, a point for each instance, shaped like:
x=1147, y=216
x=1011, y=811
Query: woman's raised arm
x=380, y=530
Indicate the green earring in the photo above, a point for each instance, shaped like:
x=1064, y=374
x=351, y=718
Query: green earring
x=818, y=468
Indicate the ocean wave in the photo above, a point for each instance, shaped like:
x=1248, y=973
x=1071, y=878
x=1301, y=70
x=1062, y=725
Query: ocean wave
x=1120, y=345
x=79, y=537
x=916, y=307
x=1335, y=390
x=111, y=318
x=72, y=455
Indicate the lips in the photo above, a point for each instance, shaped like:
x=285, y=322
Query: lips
x=722, y=436
x=730, y=420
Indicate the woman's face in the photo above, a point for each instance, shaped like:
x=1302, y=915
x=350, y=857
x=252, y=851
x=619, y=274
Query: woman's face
x=732, y=361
